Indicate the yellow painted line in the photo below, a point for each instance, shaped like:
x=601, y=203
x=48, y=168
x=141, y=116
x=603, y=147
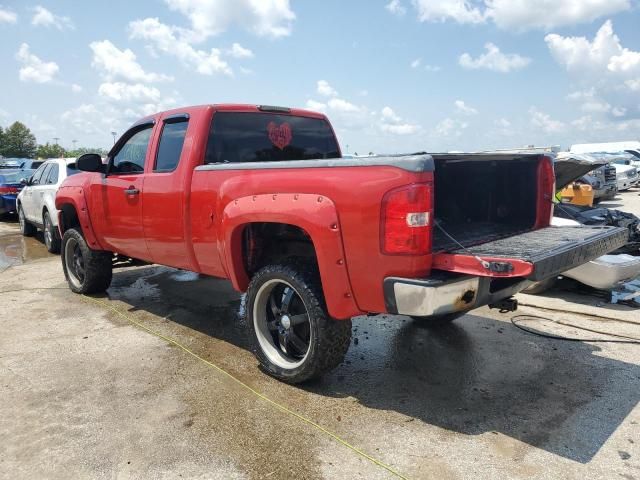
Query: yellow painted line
x=273, y=403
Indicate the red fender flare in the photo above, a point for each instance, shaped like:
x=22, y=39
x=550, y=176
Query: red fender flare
x=315, y=214
x=75, y=197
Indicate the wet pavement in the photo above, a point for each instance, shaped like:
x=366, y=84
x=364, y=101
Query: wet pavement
x=86, y=394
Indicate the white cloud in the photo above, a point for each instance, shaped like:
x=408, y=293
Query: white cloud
x=578, y=53
x=325, y=89
x=618, y=111
x=124, y=92
x=515, y=14
x=75, y=88
x=396, y=7
x=34, y=69
x=318, y=106
x=494, y=60
x=503, y=122
x=596, y=106
x=544, y=121
x=114, y=63
x=634, y=85
x=390, y=122
x=341, y=105
x=8, y=16
x=45, y=18
x=432, y=68
x=460, y=11
x=547, y=14
x=450, y=127
x=270, y=18
x=462, y=107
x=416, y=63
x=238, y=51
x=170, y=40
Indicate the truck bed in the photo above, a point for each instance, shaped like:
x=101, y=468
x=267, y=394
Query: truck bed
x=551, y=250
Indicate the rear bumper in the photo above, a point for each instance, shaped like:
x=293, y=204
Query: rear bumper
x=446, y=294
x=7, y=203
x=533, y=256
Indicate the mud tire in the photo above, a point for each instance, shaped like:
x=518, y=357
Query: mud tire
x=96, y=264
x=329, y=338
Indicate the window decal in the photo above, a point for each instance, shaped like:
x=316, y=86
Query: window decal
x=280, y=135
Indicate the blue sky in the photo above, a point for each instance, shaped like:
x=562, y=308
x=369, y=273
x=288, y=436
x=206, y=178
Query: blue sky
x=393, y=76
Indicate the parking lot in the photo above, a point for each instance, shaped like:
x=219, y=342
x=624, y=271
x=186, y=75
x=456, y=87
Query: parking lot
x=156, y=379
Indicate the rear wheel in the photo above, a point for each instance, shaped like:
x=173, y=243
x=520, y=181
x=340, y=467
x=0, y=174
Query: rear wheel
x=26, y=228
x=51, y=236
x=86, y=270
x=294, y=337
x=437, y=321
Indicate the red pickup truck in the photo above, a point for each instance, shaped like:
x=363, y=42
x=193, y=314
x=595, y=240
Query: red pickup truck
x=261, y=196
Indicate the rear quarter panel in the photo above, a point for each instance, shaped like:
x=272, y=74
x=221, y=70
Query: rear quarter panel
x=356, y=193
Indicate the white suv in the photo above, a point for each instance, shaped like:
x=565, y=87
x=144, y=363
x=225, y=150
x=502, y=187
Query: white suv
x=36, y=202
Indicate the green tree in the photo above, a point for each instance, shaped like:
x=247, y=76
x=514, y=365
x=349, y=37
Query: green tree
x=82, y=150
x=50, y=151
x=1, y=140
x=18, y=141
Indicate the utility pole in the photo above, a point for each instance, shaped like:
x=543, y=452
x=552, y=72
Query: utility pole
x=74, y=143
x=56, y=139
x=114, y=137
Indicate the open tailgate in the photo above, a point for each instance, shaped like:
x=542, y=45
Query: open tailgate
x=535, y=255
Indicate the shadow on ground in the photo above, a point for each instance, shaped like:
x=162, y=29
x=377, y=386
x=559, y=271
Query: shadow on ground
x=475, y=376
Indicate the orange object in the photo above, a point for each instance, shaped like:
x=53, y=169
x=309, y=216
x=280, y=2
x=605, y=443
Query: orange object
x=577, y=194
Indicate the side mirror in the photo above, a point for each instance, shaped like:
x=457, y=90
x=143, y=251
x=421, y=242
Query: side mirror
x=90, y=162
x=25, y=181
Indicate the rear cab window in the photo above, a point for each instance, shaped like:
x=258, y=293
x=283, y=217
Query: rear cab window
x=267, y=137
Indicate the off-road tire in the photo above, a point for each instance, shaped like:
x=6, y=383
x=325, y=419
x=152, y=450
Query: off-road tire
x=51, y=235
x=330, y=338
x=438, y=321
x=27, y=229
x=97, y=265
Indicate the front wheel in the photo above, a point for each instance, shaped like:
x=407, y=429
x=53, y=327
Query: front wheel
x=86, y=270
x=294, y=337
x=26, y=228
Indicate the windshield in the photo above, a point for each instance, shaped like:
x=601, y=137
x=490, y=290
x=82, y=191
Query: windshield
x=266, y=137
x=71, y=169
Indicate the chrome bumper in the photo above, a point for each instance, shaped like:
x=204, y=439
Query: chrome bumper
x=446, y=294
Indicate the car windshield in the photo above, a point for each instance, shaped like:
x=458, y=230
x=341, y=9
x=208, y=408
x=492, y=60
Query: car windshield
x=10, y=165
x=621, y=158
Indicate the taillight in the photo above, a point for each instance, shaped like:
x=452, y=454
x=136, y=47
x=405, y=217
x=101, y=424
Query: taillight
x=405, y=220
x=546, y=192
x=8, y=190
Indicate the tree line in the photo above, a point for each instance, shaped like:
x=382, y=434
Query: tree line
x=17, y=141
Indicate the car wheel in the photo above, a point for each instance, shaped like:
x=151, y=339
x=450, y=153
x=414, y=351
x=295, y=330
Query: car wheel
x=437, y=321
x=294, y=337
x=51, y=236
x=26, y=228
x=86, y=270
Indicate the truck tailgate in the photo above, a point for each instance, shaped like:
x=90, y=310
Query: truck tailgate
x=536, y=255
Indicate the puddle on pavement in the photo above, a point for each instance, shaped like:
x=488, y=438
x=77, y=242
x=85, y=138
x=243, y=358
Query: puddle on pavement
x=17, y=250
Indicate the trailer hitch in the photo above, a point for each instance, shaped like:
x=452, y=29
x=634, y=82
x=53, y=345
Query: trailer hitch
x=507, y=305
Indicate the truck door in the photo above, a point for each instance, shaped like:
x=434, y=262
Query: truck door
x=166, y=193
x=118, y=195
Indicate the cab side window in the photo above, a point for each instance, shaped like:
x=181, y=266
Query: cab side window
x=130, y=158
x=52, y=178
x=171, y=142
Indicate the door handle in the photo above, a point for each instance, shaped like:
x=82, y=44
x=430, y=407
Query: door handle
x=131, y=191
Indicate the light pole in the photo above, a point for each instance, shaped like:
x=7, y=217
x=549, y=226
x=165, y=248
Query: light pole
x=114, y=136
x=74, y=143
x=56, y=139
